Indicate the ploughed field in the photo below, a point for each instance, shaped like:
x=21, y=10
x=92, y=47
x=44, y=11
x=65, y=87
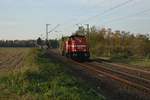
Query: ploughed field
x=11, y=58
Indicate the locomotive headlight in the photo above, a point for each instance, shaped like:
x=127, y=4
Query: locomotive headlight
x=73, y=46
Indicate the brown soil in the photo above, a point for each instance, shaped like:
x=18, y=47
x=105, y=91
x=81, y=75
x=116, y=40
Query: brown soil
x=11, y=58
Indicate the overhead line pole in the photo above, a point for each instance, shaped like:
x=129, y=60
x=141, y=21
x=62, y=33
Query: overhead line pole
x=47, y=31
x=46, y=40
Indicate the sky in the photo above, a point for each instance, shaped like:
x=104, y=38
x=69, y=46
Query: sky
x=26, y=19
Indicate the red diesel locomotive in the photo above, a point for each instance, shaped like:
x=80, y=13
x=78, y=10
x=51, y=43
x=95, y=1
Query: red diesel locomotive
x=76, y=46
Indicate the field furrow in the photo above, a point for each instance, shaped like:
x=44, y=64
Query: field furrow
x=11, y=58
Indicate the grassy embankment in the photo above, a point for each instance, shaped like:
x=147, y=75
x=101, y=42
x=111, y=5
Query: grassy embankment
x=138, y=62
x=142, y=63
x=43, y=78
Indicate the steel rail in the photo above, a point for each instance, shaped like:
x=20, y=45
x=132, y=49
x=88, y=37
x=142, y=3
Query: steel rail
x=115, y=77
x=119, y=76
x=127, y=67
x=127, y=75
x=121, y=65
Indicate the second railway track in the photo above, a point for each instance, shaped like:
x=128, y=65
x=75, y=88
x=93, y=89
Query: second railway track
x=139, y=83
x=125, y=68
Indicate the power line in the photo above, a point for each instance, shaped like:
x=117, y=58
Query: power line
x=71, y=20
x=108, y=10
x=125, y=17
x=68, y=23
x=54, y=28
x=104, y=12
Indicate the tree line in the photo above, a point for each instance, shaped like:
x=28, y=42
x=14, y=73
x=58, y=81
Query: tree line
x=105, y=42
x=53, y=43
x=29, y=43
x=17, y=43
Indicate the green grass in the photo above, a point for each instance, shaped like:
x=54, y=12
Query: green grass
x=142, y=63
x=137, y=62
x=45, y=79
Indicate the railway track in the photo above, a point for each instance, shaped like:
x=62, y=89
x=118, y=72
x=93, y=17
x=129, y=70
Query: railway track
x=131, y=77
x=125, y=69
x=126, y=78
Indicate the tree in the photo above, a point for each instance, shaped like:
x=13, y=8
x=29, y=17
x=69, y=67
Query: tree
x=80, y=31
x=39, y=41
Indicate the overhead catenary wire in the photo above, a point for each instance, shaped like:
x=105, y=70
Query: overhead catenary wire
x=70, y=22
x=47, y=31
x=99, y=14
x=54, y=28
x=108, y=10
x=104, y=12
x=131, y=15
